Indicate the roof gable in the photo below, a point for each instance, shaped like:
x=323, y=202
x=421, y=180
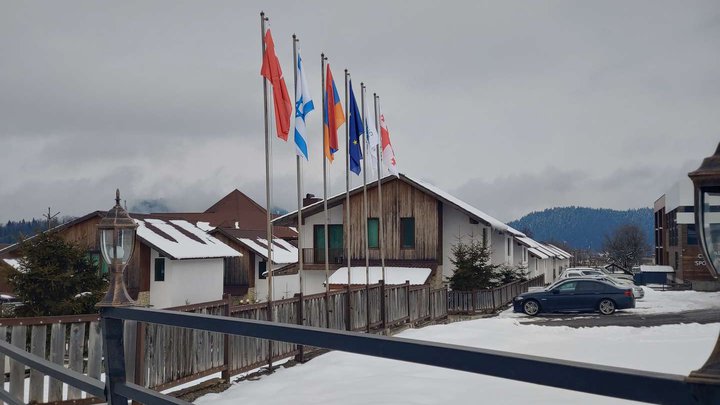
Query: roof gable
x=179, y=239
x=426, y=188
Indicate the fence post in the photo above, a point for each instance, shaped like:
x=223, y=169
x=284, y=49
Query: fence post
x=407, y=286
x=115, y=363
x=300, y=357
x=348, y=312
x=225, y=374
x=139, y=355
x=367, y=305
x=473, y=300
x=382, y=304
x=492, y=293
x=429, y=298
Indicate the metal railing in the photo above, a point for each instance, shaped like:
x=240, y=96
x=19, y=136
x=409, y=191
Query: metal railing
x=583, y=377
x=317, y=256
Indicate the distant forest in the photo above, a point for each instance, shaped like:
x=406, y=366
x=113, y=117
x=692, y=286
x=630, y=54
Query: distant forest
x=12, y=231
x=583, y=228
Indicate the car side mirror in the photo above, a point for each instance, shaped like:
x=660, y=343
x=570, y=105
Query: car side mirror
x=556, y=291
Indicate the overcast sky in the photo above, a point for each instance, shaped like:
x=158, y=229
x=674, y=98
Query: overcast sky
x=513, y=106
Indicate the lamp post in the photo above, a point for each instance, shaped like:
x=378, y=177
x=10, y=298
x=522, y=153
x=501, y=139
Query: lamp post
x=706, y=180
x=117, y=241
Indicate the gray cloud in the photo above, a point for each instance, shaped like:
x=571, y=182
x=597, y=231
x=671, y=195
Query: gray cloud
x=512, y=106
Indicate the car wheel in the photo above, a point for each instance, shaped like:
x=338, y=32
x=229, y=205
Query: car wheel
x=606, y=306
x=531, y=307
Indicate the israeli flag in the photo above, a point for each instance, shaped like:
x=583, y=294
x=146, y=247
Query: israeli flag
x=303, y=105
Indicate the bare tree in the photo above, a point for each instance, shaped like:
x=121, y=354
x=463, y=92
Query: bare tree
x=626, y=246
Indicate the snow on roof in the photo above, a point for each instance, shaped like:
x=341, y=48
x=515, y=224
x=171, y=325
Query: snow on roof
x=538, y=253
x=394, y=275
x=562, y=251
x=205, y=226
x=542, y=250
x=515, y=232
x=282, y=251
x=180, y=239
x=559, y=253
x=14, y=263
x=464, y=206
x=656, y=269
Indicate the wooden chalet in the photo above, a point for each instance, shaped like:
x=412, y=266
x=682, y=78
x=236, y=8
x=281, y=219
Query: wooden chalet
x=240, y=222
x=171, y=259
x=421, y=224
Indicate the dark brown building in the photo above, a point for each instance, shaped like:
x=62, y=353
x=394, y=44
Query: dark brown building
x=676, y=239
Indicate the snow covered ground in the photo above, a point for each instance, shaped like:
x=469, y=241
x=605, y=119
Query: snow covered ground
x=656, y=302
x=354, y=379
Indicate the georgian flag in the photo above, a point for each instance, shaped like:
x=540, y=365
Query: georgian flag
x=303, y=105
x=388, y=154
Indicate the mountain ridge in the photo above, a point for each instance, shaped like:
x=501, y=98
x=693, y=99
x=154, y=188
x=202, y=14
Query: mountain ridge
x=582, y=227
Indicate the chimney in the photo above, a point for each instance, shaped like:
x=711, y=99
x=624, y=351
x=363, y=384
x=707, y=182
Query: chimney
x=310, y=199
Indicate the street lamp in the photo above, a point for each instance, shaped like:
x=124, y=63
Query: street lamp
x=117, y=241
x=707, y=221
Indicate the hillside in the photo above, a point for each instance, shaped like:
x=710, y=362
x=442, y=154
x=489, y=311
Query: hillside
x=581, y=227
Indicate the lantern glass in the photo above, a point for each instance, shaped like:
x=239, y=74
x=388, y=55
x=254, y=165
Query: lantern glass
x=118, y=249
x=710, y=224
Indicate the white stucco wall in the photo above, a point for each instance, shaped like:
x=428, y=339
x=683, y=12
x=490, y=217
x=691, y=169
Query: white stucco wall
x=457, y=226
x=500, y=253
x=188, y=281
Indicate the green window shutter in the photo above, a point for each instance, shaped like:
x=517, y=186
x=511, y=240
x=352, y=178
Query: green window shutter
x=407, y=233
x=373, y=233
x=160, y=269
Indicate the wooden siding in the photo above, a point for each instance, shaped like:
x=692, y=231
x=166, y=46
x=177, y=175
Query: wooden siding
x=241, y=269
x=84, y=234
x=400, y=200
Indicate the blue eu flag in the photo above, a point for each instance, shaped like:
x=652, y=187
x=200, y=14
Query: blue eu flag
x=356, y=134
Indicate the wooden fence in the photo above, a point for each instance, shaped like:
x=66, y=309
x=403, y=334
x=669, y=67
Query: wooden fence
x=72, y=341
x=161, y=357
x=491, y=299
x=174, y=356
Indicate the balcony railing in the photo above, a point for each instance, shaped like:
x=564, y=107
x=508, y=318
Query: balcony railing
x=317, y=256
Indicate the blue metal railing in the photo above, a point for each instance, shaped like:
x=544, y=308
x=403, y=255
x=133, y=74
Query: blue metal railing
x=589, y=378
x=609, y=381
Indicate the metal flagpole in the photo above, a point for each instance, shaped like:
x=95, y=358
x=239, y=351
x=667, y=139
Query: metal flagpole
x=268, y=160
x=380, y=220
x=365, y=210
x=347, y=174
x=325, y=196
x=347, y=199
x=268, y=168
x=301, y=312
x=299, y=180
x=380, y=202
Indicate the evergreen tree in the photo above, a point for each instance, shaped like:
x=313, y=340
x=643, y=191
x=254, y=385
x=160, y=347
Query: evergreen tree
x=56, y=278
x=508, y=274
x=472, y=266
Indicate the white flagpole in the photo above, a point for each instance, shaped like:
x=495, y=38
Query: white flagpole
x=365, y=203
x=299, y=181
